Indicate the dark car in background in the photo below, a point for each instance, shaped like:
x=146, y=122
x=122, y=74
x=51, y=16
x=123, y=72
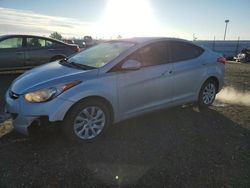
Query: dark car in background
x=88, y=42
x=26, y=51
x=243, y=56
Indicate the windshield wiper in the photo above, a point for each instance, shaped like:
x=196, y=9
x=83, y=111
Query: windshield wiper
x=86, y=67
x=75, y=65
x=64, y=62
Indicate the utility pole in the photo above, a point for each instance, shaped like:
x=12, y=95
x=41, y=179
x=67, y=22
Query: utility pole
x=214, y=44
x=237, y=46
x=226, y=21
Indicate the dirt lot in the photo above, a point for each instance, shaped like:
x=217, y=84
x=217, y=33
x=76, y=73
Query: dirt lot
x=178, y=147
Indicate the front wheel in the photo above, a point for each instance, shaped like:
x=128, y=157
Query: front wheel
x=87, y=121
x=207, y=93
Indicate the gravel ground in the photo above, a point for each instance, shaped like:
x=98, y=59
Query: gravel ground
x=238, y=78
x=177, y=147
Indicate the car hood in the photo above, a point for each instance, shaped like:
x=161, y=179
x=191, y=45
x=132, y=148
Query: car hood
x=49, y=75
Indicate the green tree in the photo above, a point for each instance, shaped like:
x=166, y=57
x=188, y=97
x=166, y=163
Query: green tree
x=56, y=35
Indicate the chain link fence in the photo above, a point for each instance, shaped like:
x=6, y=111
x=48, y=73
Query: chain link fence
x=228, y=48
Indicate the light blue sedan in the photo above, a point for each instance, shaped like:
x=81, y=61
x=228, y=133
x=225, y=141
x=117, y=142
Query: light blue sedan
x=114, y=81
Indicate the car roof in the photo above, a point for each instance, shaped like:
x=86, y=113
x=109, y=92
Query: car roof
x=23, y=35
x=150, y=39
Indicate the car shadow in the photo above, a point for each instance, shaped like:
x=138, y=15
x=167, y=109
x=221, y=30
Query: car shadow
x=177, y=147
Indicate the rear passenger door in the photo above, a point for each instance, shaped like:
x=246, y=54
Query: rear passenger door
x=188, y=69
x=11, y=53
x=39, y=51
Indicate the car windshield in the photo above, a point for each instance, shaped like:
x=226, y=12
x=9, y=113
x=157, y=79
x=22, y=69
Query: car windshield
x=99, y=55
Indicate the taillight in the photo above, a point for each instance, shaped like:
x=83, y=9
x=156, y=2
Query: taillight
x=222, y=60
x=77, y=49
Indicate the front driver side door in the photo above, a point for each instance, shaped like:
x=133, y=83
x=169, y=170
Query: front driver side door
x=149, y=87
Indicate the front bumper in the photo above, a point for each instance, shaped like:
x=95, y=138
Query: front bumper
x=24, y=114
x=21, y=123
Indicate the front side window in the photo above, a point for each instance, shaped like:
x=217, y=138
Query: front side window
x=153, y=54
x=15, y=42
x=181, y=51
x=99, y=55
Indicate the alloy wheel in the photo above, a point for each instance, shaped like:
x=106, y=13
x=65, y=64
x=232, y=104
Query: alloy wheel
x=209, y=93
x=89, y=122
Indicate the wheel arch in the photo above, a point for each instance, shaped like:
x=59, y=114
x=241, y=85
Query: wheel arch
x=95, y=97
x=212, y=77
x=215, y=79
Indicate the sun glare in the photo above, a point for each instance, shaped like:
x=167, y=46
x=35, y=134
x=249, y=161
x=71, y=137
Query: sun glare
x=128, y=18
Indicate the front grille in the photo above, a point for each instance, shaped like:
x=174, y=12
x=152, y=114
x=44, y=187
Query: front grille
x=13, y=95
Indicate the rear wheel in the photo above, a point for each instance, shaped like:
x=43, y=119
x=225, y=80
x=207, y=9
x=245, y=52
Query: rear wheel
x=87, y=121
x=207, y=93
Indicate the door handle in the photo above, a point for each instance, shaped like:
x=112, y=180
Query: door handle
x=19, y=52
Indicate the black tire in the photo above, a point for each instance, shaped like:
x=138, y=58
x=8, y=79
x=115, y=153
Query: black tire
x=70, y=118
x=202, y=103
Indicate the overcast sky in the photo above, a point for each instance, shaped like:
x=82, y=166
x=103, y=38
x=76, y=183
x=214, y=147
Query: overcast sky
x=109, y=18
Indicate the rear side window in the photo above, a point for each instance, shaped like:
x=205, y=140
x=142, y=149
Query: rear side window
x=15, y=42
x=180, y=51
x=49, y=43
x=153, y=54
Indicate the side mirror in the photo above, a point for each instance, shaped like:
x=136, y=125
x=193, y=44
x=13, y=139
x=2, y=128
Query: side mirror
x=131, y=65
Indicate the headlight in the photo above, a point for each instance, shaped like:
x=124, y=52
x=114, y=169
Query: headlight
x=47, y=94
